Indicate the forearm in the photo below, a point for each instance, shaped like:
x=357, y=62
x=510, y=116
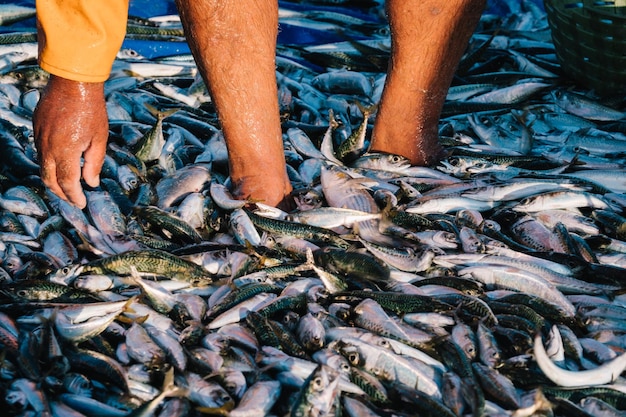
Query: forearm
x=234, y=44
x=79, y=39
x=433, y=34
x=428, y=39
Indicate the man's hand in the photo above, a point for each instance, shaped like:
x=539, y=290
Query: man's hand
x=71, y=122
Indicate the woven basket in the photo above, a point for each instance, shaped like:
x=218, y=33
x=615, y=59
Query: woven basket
x=590, y=41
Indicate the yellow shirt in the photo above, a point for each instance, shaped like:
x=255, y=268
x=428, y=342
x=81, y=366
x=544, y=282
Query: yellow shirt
x=78, y=39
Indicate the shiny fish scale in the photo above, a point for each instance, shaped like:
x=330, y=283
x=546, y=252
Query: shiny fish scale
x=172, y=224
x=151, y=262
x=297, y=229
x=484, y=187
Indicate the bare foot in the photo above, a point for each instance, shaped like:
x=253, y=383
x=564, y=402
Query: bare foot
x=421, y=151
x=427, y=42
x=273, y=190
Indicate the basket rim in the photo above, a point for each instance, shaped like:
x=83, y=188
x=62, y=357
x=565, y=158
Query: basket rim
x=590, y=42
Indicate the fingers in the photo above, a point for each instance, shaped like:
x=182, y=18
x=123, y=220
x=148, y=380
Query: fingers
x=63, y=179
x=68, y=178
x=70, y=122
x=93, y=161
x=49, y=178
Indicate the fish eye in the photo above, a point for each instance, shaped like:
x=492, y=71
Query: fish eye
x=288, y=319
x=22, y=293
x=317, y=383
x=384, y=31
x=353, y=358
x=491, y=225
x=65, y=270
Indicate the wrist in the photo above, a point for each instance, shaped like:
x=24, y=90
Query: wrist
x=75, y=88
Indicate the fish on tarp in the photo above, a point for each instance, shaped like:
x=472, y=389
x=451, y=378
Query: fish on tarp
x=405, y=289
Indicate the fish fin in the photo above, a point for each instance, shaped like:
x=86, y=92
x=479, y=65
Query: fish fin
x=159, y=114
x=169, y=388
x=366, y=110
x=224, y=410
x=127, y=307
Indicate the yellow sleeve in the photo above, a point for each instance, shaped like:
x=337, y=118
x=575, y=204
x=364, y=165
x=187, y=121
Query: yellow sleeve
x=78, y=39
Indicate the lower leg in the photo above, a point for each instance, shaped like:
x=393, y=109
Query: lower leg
x=234, y=44
x=428, y=39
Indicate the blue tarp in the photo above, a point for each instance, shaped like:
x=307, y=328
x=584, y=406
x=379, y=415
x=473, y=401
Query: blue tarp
x=288, y=34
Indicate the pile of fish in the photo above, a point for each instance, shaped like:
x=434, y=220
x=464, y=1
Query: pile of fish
x=491, y=284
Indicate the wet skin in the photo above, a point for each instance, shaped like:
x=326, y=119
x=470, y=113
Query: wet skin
x=428, y=38
x=234, y=44
x=71, y=122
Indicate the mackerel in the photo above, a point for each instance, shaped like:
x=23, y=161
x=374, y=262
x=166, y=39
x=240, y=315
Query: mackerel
x=240, y=310
x=223, y=198
x=354, y=145
x=303, y=144
x=305, y=231
x=395, y=346
x=326, y=147
x=450, y=204
x=178, y=228
x=497, y=385
x=515, y=190
x=238, y=295
x=603, y=374
x=520, y=280
x=149, y=262
x=584, y=107
x=41, y=290
x=611, y=179
x=78, y=332
x=564, y=283
x=371, y=316
x=319, y=394
x=573, y=222
x=512, y=94
x=331, y=217
x=11, y=13
x=149, y=147
x=404, y=259
x=561, y=200
x=387, y=365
